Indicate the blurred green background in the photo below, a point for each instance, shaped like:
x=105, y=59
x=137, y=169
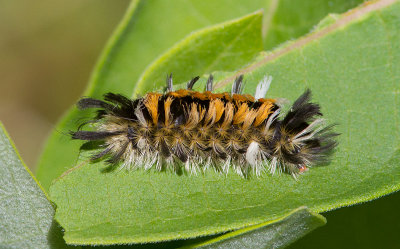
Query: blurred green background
x=47, y=51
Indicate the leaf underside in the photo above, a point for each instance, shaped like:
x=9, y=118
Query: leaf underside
x=273, y=234
x=26, y=215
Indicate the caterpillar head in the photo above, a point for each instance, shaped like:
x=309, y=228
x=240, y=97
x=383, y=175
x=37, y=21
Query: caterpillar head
x=301, y=138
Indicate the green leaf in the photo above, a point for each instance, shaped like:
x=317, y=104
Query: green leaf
x=148, y=29
x=147, y=206
x=288, y=19
x=353, y=68
x=26, y=215
x=272, y=234
x=226, y=46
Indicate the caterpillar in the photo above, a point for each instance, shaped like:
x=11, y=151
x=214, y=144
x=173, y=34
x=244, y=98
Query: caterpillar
x=187, y=130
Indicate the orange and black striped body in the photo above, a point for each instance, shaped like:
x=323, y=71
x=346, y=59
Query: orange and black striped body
x=192, y=130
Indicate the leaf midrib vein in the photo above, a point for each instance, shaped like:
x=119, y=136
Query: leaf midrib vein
x=344, y=20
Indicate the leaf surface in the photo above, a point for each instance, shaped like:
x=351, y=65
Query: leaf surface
x=26, y=215
x=287, y=19
x=353, y=69
x=226, y=46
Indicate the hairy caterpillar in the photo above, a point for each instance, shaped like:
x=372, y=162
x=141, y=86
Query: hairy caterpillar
x=192, y=130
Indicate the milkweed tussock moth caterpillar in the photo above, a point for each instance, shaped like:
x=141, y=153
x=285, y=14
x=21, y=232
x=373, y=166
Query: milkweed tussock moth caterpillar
x=195, y=131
